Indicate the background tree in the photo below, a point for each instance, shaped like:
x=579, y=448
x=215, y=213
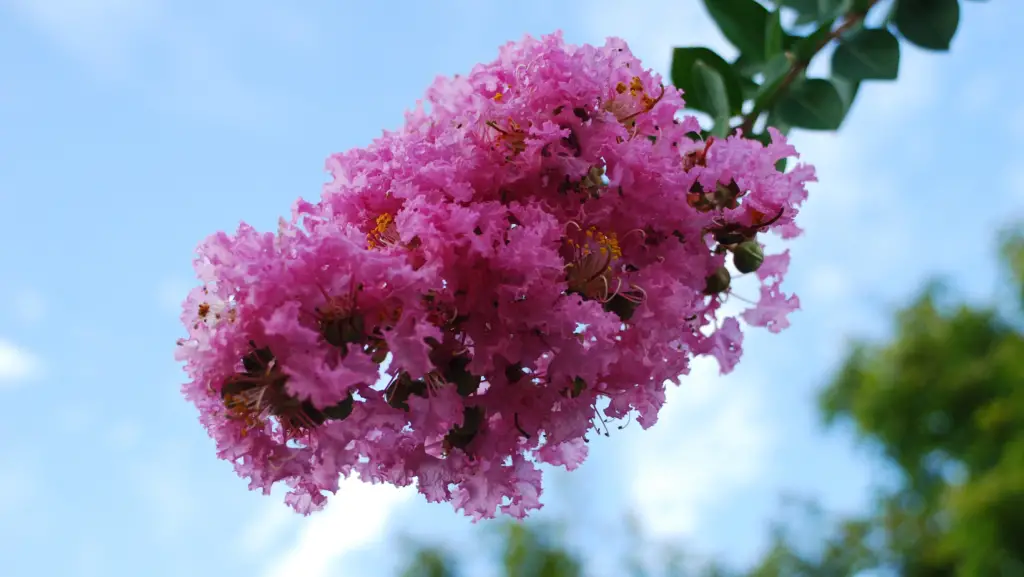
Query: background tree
x=945, y=404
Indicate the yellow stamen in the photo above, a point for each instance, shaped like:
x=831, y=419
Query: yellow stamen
x=384, y=233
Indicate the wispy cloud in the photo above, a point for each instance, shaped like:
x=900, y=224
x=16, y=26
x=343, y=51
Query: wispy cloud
x=17, y=364
x=164, y=486
x=176, y=61
x=104, y=34
x=710, y=440
x=355, y=517
x=267, y=526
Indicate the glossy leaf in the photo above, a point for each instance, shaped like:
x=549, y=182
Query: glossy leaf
x=871, y=54
x=773, y=35
x=809, y=11
x=930, y=24
x=743, y=23
x=806, y=47
x=709, y=87
x=814, y=104
x=847, y=90
x=683, y=76
x=774, y=73
x=746, y=67
x=749, y=88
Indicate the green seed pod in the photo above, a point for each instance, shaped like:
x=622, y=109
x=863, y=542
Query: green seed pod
x=748, y=256
x=718, y=281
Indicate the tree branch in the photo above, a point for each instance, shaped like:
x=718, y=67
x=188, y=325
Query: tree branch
x=797, y=66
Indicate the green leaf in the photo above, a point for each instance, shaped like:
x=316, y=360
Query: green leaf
x=806, y=47
x=773, y=35
x=709, y=88
x=872, y=54
x=814, y=104
x=720, y=129
x=749, y=87
x=683, y=76
x=778, y=123
x=743, y=23
x=746, y=67
x=777, y=68
x=809, y=11
x=788, y=40
x=774, y=73
x=930, y=24
x=847, y=90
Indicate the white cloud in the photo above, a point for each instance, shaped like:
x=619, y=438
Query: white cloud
x=710, y=440
x=101, y=32
x=355, y=517
x=17, y=364
x=164, y=486
x=266, y=528
x=177, y=61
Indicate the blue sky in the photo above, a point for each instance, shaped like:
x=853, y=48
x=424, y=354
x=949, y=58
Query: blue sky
x=131, y=129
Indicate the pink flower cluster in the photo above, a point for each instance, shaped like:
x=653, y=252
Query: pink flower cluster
x=541, y=247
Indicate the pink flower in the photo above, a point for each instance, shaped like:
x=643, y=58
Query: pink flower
x=772, y=310
x=479, y=291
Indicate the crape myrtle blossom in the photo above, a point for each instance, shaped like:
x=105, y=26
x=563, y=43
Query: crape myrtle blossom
x=540, y=248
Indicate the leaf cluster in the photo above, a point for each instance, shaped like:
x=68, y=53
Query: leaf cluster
x=768, y=85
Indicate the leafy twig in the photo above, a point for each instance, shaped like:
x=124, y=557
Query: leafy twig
x=798, y=65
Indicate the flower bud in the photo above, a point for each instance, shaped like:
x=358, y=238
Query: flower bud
x=718, y=281
x=748, y=256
